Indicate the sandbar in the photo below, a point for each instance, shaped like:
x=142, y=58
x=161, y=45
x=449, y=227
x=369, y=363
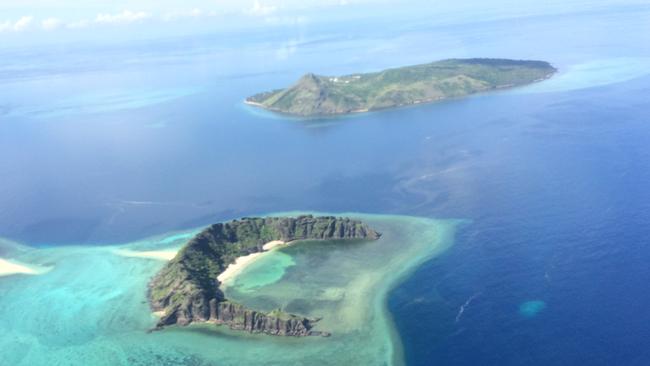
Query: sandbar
x=163, y=255
x=10, y=268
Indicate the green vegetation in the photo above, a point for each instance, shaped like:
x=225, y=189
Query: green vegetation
x=315, y=95
x=187, y=289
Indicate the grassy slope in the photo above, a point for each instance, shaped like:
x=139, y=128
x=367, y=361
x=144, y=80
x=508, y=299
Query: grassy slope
x=323, y=95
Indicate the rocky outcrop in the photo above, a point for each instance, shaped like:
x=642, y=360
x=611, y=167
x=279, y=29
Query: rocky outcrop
x=187, y=290
x=238, y=317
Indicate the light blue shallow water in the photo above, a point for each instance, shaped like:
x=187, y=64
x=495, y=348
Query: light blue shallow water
x=553, y=176
x=91, y=307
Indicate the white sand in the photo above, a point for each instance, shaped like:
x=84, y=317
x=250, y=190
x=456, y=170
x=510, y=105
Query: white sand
x=234, y=268
x=272, y=244
x=9, y=268
x=163, y=255
x=230, y=272
x=241, y=262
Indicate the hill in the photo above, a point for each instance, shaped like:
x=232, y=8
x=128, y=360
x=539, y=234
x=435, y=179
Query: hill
x=315, y=95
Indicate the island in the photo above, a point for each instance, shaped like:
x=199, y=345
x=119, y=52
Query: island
x=187, y=290
x=316, y=95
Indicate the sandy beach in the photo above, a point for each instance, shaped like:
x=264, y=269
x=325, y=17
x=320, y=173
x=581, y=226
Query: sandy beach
x=273, y=244
x=9, y=268
x=250, y=102
x=241, y=262
x=163, y=255
x=234, y=268
x=230, y=272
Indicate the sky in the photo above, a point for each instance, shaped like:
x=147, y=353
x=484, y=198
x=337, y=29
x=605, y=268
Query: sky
x=29, y=16
x=44, y=21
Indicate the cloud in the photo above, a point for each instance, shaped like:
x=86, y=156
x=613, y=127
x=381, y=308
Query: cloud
x=286, y=20
x=51, y=24
x=104, y=19
x=124, y=17
x=196, y=12
x=260, y=9
x=192, y=13
x=271, y=12
x=78, y=24
x=287, y=49
x=23, y=23
x=18, y=26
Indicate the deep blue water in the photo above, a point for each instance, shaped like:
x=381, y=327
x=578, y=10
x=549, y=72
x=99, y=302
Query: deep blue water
x=563, y=219
x=109, y=144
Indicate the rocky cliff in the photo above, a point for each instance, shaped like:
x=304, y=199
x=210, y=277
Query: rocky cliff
x=238, y=317
x=187, y=290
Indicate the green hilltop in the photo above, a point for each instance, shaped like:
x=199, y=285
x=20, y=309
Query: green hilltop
x=316, y=95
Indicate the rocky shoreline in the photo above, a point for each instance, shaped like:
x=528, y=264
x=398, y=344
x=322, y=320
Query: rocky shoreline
x=187, y=289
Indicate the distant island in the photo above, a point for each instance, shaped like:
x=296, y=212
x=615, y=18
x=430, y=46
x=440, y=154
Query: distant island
x=187, y=290
x=316, y=95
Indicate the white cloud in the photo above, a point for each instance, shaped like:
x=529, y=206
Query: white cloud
x=271, y=12
x=192, y=13
x=286, y=20
x=51, y=24
x=18, y=26
x=196, y=12
x=125, y=17
x=260, y=9
x=287, y=49
x=23, y=23
x=78, y=24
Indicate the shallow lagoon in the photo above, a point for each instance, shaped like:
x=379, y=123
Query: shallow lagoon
x=91, y=307
x=553, y=176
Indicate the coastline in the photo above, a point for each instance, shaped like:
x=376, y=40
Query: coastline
x=362, y=111
x=410, y=103
x=246, y=101
x=241, y=263
x=422, y=240
x=364, y=332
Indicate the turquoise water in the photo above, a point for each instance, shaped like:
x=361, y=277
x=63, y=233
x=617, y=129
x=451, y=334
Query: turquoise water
x=264, y=271
x=96, y=151
x=592, y=74
x=91, y=307
x=531, y=308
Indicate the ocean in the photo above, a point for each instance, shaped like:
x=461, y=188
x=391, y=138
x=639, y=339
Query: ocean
x=101, y=146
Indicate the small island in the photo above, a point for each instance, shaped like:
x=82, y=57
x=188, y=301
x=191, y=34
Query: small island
x=315, y=95
x=187, y=290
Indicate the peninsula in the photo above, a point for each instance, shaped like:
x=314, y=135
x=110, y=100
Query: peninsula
x=187, y=290
x=315, y=95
